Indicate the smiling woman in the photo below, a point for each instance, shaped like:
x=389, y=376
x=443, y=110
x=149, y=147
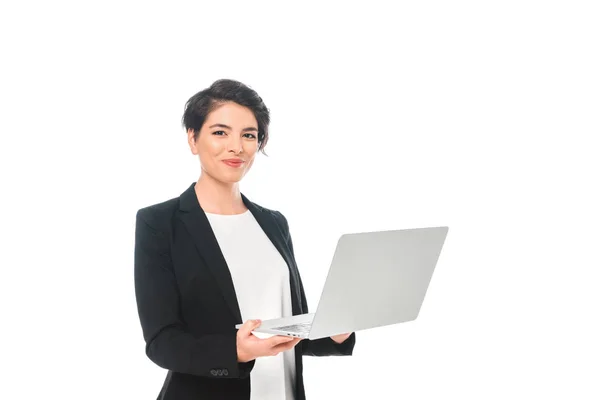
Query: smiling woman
x=226, y=144
x=211, y=258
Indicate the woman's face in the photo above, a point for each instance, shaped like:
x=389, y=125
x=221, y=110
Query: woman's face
x=229, y=134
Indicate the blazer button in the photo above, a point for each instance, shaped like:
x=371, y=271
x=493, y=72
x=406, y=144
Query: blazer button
x=213, y=372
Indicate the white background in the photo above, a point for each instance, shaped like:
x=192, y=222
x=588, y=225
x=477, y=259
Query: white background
x=482, y=116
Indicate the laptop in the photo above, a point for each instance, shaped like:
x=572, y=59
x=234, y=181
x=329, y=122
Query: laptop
x=375, y=279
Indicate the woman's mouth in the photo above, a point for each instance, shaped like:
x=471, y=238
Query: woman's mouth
x=233, y=163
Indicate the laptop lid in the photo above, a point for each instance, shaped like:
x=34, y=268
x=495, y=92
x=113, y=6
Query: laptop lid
x=377, y=279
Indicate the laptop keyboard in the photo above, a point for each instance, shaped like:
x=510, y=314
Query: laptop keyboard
x=296, y=328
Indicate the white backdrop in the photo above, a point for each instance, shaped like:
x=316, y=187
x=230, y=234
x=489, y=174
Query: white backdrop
x=479, y=116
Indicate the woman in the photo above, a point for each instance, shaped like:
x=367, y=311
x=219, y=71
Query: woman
x=210, y=259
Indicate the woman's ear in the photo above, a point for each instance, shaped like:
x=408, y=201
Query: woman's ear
x=192, y=141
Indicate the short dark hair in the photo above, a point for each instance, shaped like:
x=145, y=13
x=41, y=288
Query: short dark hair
x=221, y=91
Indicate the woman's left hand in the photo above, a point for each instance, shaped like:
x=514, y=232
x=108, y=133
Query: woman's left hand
x=340, y=338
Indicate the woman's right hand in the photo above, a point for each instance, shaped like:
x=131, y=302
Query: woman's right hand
x=249, y=347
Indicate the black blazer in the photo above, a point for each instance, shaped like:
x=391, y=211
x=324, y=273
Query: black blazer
x=187, y=304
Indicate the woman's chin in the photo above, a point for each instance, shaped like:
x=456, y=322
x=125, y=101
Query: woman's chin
x=231, y=178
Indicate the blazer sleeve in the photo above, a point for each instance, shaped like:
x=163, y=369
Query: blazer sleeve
x=168, y=344
x=324, y=346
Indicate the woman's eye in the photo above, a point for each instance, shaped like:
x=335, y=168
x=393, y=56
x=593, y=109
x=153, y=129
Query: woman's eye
x=219, y=133
x=250, y=135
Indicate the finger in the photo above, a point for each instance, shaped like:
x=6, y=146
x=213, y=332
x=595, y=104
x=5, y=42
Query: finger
x=248, y=326
x=289, y=344
x=277, y=340
x=286, y=346
x=292, y=344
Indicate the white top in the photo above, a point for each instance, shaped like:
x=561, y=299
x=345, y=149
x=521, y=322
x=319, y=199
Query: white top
x=262, y=286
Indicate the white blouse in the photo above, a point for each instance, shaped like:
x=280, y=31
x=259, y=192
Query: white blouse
x=262, y=286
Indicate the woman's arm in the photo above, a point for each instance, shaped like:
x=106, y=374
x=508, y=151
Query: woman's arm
x=324, y=346
x=168, y=344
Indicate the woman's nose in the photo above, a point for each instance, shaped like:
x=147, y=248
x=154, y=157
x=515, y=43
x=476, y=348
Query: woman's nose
x=235, y=145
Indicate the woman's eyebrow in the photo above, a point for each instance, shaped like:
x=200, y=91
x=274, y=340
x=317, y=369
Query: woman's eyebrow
x=249, y=129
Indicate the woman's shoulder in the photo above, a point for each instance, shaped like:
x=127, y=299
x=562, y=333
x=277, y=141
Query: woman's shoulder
x=279, y=218
x=274, y=213
x=156, y=214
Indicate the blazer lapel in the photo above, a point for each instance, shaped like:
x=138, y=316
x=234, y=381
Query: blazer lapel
x=269, y=225
x=206, y=243
x=208, y=248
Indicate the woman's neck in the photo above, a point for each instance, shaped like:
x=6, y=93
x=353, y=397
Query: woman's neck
x=217, y=197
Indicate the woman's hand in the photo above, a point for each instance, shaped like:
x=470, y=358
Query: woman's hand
x=340, y=338
x=249, y=347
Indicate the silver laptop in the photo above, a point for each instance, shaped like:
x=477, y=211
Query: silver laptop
x=375, y=279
